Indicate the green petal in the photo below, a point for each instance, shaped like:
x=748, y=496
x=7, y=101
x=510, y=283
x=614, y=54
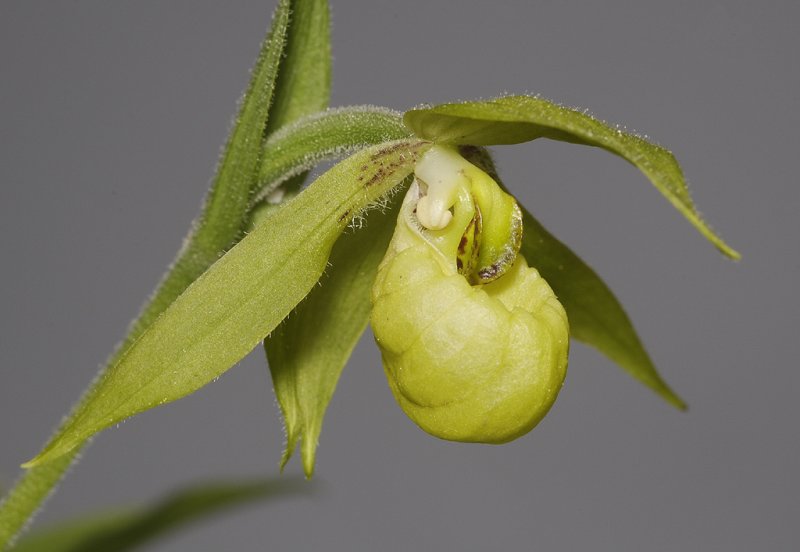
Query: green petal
x=228, y=310
x=595, y=315
x=121, y=530
x=516, y=119
x=308, y=351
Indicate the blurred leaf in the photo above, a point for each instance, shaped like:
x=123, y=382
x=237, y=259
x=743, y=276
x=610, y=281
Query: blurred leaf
x=218, y=228
x=516, y=119
x=240, y=299
x=127, y=529
x=595, y=315
x=308, y=351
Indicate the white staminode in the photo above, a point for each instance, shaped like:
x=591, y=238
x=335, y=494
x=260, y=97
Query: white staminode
x=433, y=214
x=440, y=172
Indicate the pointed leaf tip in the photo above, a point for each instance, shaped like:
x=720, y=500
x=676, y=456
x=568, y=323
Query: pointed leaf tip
x=596, y=316
x=228, y=310
x=309, y=350
x=517, y=119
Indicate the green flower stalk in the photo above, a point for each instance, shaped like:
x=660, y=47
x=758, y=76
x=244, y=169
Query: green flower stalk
x=474, y=341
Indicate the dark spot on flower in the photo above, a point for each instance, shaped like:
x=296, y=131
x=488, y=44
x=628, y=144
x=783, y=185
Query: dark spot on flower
x=462, y=245
x=489, y=273
x=467, y=151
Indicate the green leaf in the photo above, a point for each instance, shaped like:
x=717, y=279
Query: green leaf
x=28, y=494
x=595, y=315
x=130, y=528
x=240, y=299
x=323, y=136
x=219, y=226
x=304, y=81
x=516, y=119
x=314, y=139
x=289, y=151
x=224, y=214
x=307, y=375
x=304, y=84
x=308, y=351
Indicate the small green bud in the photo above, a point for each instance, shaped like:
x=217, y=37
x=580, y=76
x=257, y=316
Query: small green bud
x=473, y=340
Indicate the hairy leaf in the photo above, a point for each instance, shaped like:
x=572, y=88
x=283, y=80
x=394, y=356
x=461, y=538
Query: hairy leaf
x=305, y=377
x=308, y=351
x=302, y=383
x=516, y=119
x=595, y=315
x=304, y=81
x=128, y=529
x=222, y=220
x=323, y=136
x=240, y=299
x=304, y=90
x=219, y=226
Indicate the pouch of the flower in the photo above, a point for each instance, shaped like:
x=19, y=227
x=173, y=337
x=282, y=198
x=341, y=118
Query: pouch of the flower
x=474, y=363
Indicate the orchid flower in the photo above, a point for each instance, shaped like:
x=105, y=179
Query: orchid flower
x=471, y=300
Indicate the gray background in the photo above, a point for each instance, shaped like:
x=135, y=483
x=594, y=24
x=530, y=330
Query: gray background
x=111, y=119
